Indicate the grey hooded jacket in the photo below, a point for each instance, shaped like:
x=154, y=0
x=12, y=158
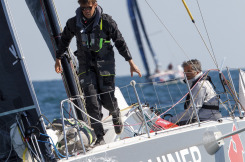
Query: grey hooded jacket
x=204, y=96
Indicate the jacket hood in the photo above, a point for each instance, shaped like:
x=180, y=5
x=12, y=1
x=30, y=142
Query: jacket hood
x=79, y=16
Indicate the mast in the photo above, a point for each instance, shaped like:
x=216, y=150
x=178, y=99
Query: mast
x=66, y=65
x=53, y=28
x=131, y=9
x=153, y=54
x=135, y=14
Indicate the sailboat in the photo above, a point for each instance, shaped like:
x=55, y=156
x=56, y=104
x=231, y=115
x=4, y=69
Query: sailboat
x=162, y=76
x=142, y=139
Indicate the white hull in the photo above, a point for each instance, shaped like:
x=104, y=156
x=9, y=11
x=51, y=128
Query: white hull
x=177, y=144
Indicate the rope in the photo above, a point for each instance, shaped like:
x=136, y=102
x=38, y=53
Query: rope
x=171, y=99
x=205, y=28
x=129, y=97
x=213, y=58
x=232, y=92
x=167, y=30
x=142, y=92
x=157, y=95
x=135, y=105
x=48, y=120
x=191, y=104
x=71, y=99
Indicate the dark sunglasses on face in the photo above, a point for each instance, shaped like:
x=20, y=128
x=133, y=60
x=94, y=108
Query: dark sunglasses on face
x=86, y=8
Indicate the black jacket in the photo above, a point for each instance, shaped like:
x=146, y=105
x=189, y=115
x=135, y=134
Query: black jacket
x=87, y=54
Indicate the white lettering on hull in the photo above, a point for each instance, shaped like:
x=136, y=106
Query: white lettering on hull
x=195, y=150
x=183, y=153
x=181, y=156
x=177, y=156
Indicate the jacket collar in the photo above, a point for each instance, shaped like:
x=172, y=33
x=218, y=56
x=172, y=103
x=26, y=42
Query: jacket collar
x=96, y=17
x=190, y=82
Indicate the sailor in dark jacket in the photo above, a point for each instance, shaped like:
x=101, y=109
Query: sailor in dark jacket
x=204, y=95
x=94, y=31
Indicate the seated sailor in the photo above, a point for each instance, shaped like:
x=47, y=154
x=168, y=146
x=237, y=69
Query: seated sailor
x=204, y=96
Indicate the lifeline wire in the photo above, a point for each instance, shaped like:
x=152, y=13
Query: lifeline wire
x=157, y=95
x=187, y=110
x=179, y=89
x=142, y=92
x=70, y=100
x=171, y=99
x=129, y=97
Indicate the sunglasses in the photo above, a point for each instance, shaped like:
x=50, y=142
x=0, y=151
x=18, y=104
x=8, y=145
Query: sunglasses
x=86, y=8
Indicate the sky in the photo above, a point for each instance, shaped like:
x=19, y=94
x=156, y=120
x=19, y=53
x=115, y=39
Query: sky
x=224, y=20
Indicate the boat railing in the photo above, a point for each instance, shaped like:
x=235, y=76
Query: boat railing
x=69, y=101
x=138, y=98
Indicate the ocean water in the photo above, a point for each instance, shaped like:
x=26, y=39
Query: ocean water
x=51, y=93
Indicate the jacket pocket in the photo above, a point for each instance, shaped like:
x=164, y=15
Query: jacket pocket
x=106, y=68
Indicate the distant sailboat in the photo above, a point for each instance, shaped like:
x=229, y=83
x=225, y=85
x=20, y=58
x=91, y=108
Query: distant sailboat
x=168, y=75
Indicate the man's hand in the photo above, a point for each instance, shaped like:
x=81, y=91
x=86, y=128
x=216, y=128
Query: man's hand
x=58, y=67
x=134, y=68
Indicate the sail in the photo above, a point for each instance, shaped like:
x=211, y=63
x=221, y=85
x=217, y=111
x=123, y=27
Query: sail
x=242, y=87
x=39, y=14
x=16, y=90
x=153, y=54
x=131, y=9
x=135, y=15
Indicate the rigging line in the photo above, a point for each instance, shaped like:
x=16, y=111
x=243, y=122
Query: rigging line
x=232, y=94
x=142, y=92
x=97, y=121
x=206, y=29
x=182, y=97
x=157, y=95
x=215, y=62
x=129, y=96
x=167, y=30
x=235, y=95
x=193, y=21
x=227, y=90
x=171, y=100
x=47, y=120
x=170, y=94
x=179, y=89
x=191, y=104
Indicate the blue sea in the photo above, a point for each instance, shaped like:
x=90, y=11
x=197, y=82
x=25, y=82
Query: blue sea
x=161, y=96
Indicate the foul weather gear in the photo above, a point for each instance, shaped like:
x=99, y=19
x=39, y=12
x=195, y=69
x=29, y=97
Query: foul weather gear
x=96, y=61
x=205, y=99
